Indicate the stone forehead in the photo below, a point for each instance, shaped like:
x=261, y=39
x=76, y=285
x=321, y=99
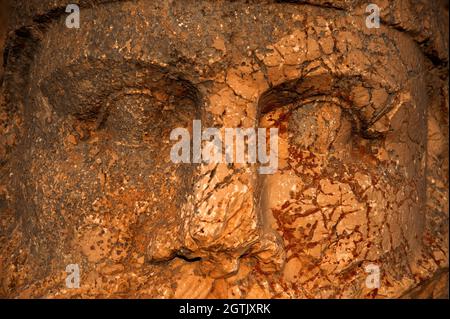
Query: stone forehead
x=25, y=12
x=425, y=21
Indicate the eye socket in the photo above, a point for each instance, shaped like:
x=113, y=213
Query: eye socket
x=311, y=124
x=130, y=114
x=310, y=130
x=314, y=126
x=363, y=101
x=84, y=88
x=136, y=114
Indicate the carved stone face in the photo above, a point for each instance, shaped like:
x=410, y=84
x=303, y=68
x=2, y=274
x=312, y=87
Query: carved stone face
x=90, y=180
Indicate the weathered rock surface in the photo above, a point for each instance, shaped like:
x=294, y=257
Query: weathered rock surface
x=86, y=176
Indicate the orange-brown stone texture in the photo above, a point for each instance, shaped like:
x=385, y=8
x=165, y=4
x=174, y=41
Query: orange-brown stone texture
x=86, y=176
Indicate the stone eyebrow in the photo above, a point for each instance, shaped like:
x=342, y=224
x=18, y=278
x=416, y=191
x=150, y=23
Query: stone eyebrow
x=85, y=84
x=308, y=87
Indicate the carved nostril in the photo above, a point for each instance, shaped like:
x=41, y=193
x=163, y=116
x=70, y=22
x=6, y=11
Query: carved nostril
x=157, y=252
x=161, y=249
x=269, y=251
x=221, y=266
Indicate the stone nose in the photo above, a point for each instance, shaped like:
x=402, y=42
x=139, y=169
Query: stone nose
x=225, y=224
x=221, y=221
x=220, y=224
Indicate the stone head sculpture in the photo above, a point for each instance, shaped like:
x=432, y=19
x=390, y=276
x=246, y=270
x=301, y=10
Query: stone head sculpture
x=360, y=183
